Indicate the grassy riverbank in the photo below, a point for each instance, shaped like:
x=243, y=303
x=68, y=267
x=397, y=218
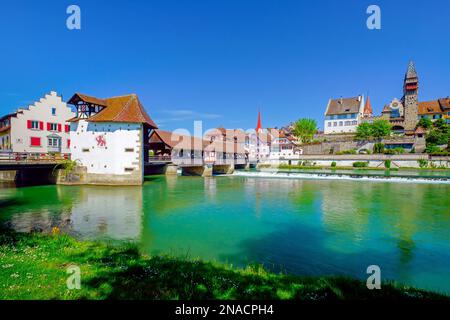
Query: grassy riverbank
x=34, y=267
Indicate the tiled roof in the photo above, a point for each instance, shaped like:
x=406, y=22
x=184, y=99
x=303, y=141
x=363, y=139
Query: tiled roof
x=126, y=108
x=429, y=107
x=445, y=103
x=5, y=128
x=89, y=99
x=343, y=106
x=179, y=141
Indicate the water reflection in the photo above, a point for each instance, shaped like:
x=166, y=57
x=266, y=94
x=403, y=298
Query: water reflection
x=295, y=225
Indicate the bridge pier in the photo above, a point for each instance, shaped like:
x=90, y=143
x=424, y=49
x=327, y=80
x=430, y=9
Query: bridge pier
x=223, y=169
x=8, y=176
x=204, y=171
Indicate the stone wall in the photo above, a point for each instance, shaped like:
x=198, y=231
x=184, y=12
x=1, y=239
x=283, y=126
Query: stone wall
x=374, y=160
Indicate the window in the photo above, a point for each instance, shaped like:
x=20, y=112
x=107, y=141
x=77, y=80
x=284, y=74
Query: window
x=66, y=128
x=85, y=149
x=35, y=125
x=53, y=126
x=35, y=141
x=53, y=142
x=340, y=123
x=334, y=124
x=68, y=143
x=53, y=111
x=129, y=150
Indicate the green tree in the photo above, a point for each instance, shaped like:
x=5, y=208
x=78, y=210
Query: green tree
x=364, y=130
x=304, y=129
x=381, y=128
x=425, y=123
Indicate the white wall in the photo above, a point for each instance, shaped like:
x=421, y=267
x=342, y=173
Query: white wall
x=111, y=158
x=338, y=128
x=40, y=111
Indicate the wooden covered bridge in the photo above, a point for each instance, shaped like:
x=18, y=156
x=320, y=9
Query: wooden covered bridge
x=193, y=155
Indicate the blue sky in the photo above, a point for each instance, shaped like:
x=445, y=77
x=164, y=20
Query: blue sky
x=221, y=60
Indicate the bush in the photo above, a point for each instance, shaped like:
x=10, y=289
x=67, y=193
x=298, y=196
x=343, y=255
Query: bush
x=387, y=164
x=333, y=164
x=431, y=148
x=360, y=164
x=389, y=151
x=378, y=147
x=413, y=150
x=422, y=163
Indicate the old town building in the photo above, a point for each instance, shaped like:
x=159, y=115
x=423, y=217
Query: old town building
x=110, y=138
x=40, y=129
x=343, y=115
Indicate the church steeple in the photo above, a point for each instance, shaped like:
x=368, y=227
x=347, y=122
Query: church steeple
x=258, y=126
x=368, y=112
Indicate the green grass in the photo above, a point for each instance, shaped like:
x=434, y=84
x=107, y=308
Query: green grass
x=33, y=266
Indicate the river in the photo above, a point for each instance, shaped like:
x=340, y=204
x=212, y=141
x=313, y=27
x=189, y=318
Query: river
x=300, y=226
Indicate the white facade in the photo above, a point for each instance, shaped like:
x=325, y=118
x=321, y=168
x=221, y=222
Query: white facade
x=343, y=123
x=258, y=150
x=42, y=128
x=108, y=148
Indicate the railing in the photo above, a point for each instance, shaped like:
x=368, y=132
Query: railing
x=159, y=158
x=28, y=157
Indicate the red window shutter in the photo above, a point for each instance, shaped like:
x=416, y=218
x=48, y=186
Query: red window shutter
x=68, y=143
x=59, y=127
x=29, y=124
x=49, y=126
x=41, y=125
x=35, y=142
x=67, y=128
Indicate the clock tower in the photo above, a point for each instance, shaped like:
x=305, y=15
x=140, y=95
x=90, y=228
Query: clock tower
x=410, y=98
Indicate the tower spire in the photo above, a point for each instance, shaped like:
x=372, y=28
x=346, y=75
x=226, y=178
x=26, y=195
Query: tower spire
x=259, y=126
x=367, y=108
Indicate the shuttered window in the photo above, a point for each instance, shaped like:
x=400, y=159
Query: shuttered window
x=35, y=141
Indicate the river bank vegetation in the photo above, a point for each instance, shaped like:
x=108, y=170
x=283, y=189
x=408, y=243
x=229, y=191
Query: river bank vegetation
x=33, y=266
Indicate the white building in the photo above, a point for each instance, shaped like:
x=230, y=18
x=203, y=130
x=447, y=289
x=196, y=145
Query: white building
x=284, y=147
x=343, y=115
x=42, y=128
x=110, y=138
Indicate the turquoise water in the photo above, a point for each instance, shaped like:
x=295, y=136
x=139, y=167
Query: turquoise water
x=301, y=226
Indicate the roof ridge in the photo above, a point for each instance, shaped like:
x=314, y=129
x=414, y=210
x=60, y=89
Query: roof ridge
x=125, y=108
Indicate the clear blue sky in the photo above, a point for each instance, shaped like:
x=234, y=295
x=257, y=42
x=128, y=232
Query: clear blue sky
x=219, y=61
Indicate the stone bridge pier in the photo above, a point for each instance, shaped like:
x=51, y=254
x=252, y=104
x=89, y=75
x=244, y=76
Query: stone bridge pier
x=204, y=171
x=223, y=169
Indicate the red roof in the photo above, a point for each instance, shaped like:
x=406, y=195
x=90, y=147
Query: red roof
x=126, y=108
x=368, y=108
x=258, y=126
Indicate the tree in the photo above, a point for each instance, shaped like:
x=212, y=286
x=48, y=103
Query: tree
x=304, y=129
x=381, y=128
x=425, y=123
x=364, y=130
